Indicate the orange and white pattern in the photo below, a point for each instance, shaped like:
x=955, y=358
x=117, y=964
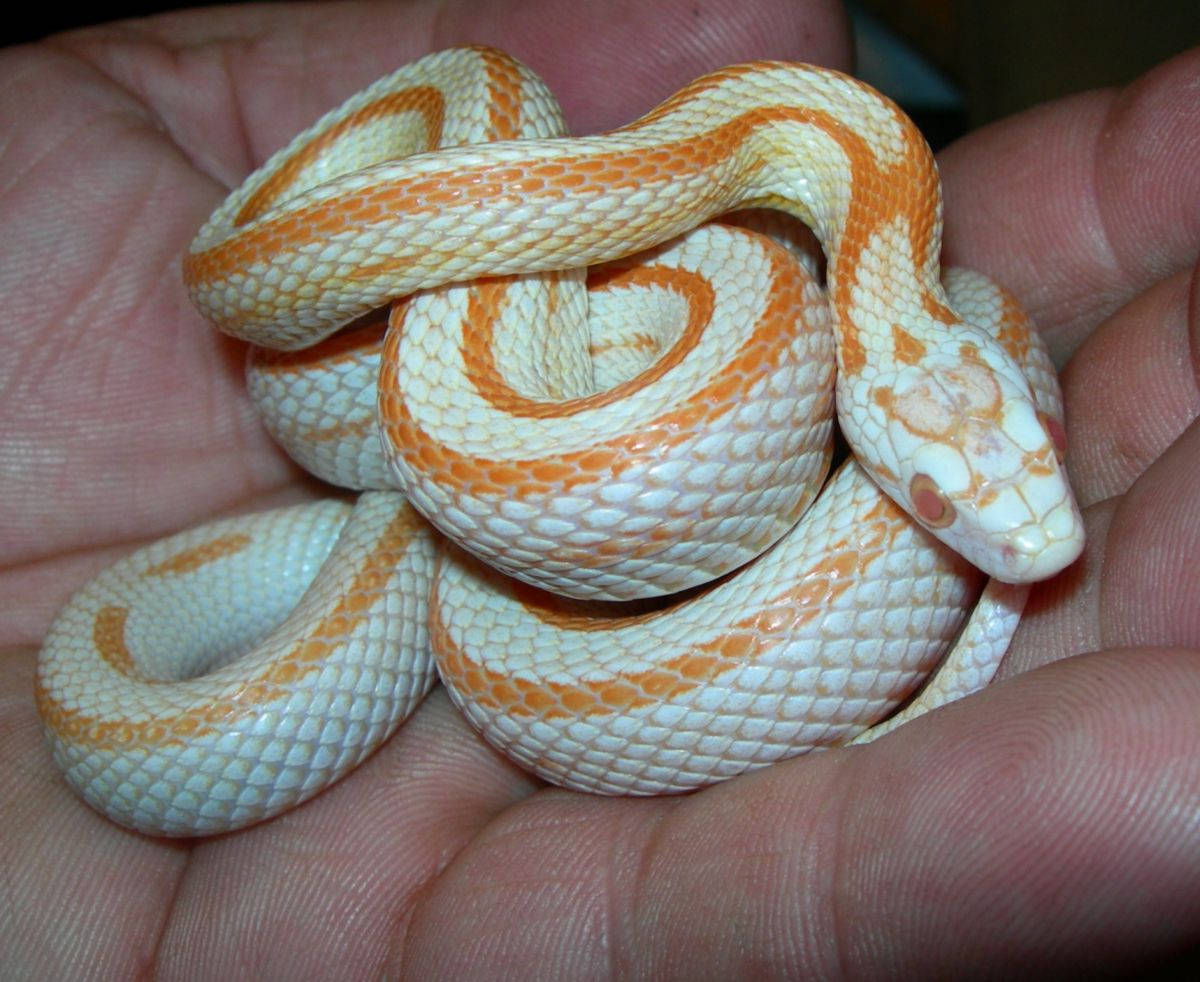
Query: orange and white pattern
x=586, y=440
x=328, y=667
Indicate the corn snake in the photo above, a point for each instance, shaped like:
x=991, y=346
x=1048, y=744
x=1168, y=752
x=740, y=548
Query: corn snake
x=807, y=646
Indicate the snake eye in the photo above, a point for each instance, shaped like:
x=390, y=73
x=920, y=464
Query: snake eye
x=1057, y=433
x=929, y=502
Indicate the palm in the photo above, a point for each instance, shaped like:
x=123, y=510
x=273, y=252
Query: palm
x=126, y=418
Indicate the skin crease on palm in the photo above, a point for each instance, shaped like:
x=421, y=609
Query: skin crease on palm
x=1048, y=824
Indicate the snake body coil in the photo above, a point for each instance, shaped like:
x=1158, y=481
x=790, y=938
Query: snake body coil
x=597, y=400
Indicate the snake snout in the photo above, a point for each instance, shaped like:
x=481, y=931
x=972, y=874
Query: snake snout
x=1037, y=551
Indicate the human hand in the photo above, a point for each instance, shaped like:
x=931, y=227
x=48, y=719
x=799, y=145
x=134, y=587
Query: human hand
x=1049, y=821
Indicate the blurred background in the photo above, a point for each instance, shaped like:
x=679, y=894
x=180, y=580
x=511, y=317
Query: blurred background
x=952, y=64
x=956, y=64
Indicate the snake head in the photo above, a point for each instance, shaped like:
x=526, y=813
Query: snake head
x=959, y=442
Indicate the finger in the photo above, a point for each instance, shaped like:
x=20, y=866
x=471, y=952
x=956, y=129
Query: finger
x=1136, y=584
x=1152, y=344
x=1081, y=204
x=1045, y=826
x=240, y=86
x=1135, y=448
x=83, y=897
x=1151, y=554
x=326, y=890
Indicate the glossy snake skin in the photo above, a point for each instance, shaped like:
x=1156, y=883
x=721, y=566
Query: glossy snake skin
x=572, y=399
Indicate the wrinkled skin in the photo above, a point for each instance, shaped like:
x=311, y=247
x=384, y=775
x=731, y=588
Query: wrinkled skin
x=1049, y=824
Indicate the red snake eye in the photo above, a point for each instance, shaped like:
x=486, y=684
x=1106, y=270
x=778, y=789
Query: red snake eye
x=929, y=502
x=1057, y=433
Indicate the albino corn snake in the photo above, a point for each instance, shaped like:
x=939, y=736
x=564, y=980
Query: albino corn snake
x=651, y=445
